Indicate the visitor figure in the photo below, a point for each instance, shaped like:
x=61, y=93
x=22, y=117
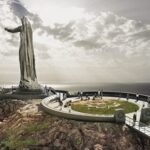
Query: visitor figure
x=28, y=78
x=120, y=94
x=101, y=94
x=64, y=96
x=148, y=99
x=127, y=96
x=69, y=110
x=137, y=97
x=143, y=105
x=87, y=97
x=46, y=90
x=60, y=102
x=81, y=95
x=78, y=94
x=93, y=98
x=134, y=119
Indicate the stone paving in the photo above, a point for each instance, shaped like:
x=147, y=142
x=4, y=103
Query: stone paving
x=138, y=126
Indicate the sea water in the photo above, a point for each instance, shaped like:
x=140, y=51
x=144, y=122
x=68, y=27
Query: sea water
x=139, y=88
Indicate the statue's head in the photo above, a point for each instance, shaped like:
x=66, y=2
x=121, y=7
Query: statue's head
x=24, y=20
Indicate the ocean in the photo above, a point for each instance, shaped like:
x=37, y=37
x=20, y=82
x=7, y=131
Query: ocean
x=139, y=88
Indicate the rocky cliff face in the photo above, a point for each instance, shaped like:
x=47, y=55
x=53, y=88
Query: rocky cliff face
x=29, y=127
x=8, y=107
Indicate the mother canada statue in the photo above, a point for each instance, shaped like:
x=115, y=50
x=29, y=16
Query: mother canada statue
x=28, y=80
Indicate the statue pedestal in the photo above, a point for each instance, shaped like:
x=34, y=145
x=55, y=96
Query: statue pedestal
x=29, y=94
x=26, y=94
x=34, y=86
x=32, y=90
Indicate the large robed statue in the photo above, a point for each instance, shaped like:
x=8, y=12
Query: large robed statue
x=28, y=80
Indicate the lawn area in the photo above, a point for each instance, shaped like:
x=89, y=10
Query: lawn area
x=103, y=106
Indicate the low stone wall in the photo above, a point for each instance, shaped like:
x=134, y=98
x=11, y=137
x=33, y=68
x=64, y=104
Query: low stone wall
x=145, y=115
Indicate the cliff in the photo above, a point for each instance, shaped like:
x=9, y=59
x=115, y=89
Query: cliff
x=31, y=128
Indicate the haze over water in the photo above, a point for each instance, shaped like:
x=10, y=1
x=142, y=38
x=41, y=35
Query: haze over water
x=141, y=88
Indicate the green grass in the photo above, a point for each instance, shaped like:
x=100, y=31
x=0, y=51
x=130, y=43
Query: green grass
x=13, y=138
x=16, y=143
x=127, y=106
x=36, y=127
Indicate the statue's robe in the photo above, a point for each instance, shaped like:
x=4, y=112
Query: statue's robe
x=28, y=78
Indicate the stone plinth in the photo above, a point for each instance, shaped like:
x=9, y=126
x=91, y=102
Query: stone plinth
x=145, y=115
x=119, y=115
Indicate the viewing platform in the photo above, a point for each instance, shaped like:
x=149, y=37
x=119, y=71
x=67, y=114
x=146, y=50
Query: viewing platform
x=52, y=106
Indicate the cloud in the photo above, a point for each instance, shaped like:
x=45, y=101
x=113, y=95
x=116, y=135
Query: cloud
x=17, y=8
x=144, y=35
x=13, y=40
x=88, y=44
x=10, y=53
x=103, y=32
x=91, y=46
x=59, y=31
x=108, y=33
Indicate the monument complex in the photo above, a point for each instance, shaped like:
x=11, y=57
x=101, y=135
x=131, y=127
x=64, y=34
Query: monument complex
x=28, y=85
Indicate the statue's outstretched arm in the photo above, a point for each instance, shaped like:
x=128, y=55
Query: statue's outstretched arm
x=18, y=29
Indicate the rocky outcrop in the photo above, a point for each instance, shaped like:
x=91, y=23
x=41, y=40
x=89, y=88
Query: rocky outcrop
x=8, y=107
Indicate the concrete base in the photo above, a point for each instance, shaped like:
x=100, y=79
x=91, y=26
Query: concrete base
x=145, y=115
x=22, y=96
x=26, y=94
x=119, y=116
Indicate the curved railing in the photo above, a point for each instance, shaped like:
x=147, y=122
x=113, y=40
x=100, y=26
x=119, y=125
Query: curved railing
x=128, y=95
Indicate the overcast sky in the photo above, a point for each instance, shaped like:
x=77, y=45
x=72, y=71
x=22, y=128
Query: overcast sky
x=79, y=40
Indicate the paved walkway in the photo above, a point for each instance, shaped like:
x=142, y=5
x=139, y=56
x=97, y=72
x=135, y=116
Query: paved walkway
x=138, y=126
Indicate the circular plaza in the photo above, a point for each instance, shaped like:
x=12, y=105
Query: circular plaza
x=93, y=108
